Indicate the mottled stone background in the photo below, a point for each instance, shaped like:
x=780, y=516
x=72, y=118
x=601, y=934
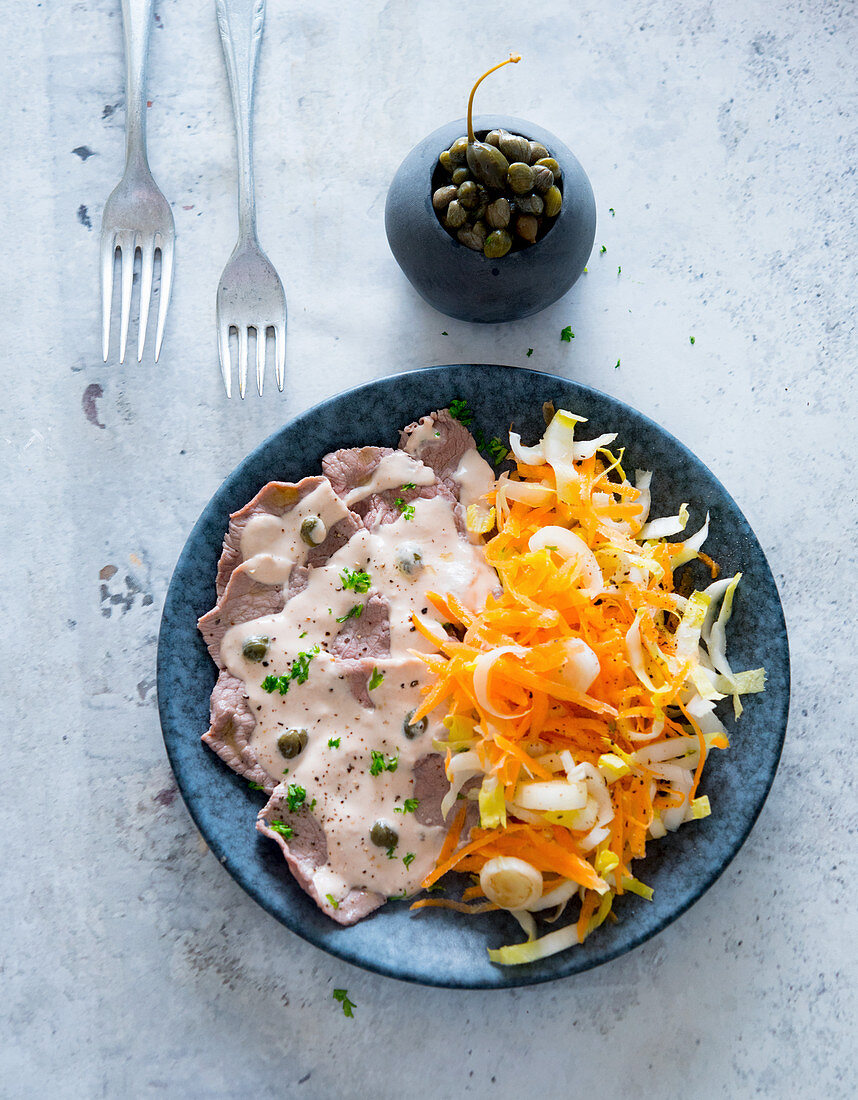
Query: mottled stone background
x=723, y=135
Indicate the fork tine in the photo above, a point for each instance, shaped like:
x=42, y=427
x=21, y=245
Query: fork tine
x=261, y=336
x=108, y=248
x=223, y=352
x=166, y=247
x=242, y=360
x=126, y=243
x=280, y=354
x=147, y=264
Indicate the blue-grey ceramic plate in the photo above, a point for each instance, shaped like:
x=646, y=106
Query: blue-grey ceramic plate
x=438, y=947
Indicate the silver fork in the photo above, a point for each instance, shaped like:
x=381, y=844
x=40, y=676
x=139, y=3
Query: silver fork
x=250, y=294
x=136, y=216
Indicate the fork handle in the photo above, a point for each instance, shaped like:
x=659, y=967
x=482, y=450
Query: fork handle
x=240, y=23
x=136, y=23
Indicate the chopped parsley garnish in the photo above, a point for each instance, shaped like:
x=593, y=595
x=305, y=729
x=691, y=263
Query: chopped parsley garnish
x=691, y=340
x=256, y=786
x=498, y=450
x=445, y=333
x=611, y=211
x=333, y=742
x=356, y=581
x=409, y=485
x=379, y=764
x=567, y=335
x=313, y=804
x=303, y=634
x=407, y=510
x=352, y=613
x=602, y=250
x=375, y=680
x=408, y=858
x=459, y=411
x=398, y=897
x=342, y=995
x=619, y=271
x=407, y=807
x=529, y=352
x=276, y=683
x=282, y=828
x=332, y=900
x=391, y=852
x=295, y=795
x=617, y=366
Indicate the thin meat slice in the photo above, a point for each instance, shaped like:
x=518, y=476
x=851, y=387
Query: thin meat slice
x=243, y=600
x=366, y=635
x=352, y=467
x=307, y=850
x=231, y=727
x=439, y=441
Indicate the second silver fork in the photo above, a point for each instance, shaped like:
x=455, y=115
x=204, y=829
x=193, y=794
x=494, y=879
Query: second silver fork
x=250, y=294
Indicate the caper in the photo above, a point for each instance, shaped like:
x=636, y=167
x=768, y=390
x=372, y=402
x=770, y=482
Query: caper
x=291, y=743
x=458, y=150
x=460, y=175
x=537, y=152
x=550, y=162
x=520, y=177
x=456, y=214
x=409, y=560
x=515, y=147
x=498, y=243
x=414, y=729
x=474, y=236
x=493, y=137
x=487, y=163
x=443, y=197
x=468, y=195
x=553, y=201
x=255, y=648
x=526, y=226
x=497, y=213
x=529, y=204
x=446, y=161
x=384, y=835
x=313, y=530
x=543, y=178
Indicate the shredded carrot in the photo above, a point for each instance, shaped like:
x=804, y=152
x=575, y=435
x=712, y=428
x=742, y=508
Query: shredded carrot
x=587, y=668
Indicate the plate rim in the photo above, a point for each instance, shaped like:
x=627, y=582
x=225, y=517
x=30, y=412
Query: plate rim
x=505, y=978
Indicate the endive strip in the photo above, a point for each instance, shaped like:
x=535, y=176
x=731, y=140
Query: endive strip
x=588, y=447
x=570, y=546
x=483, y=665
x=461, y=768
x=686, y=551
x=558, y=443
x=527, y=456
x=541, y=948
x=525, y=491
x=669, y=525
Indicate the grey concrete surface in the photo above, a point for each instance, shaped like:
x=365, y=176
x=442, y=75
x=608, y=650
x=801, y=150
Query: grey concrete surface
x=723, y=137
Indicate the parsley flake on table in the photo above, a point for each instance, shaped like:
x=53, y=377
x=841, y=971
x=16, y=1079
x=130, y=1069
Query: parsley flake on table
x=295, y=795
x=407, y=807
x=379, y=764
x=529, y=352
x=602, y=250
x=619, y=271
x=352, y=613
x=375, y=680
x=408, y=858
x=282, y=828
x=459, y=411
x=356, y=581
x=691, y=340
x=617, y=365
x=342, y=995
x=567, y=335
x=407, y=510
x=333, y=742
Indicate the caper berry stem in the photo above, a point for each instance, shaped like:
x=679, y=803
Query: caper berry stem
x=514, y=59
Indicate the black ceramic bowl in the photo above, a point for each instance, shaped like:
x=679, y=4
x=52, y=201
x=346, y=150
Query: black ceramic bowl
x=466, y=284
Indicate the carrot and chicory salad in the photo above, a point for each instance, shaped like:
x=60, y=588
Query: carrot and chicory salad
x=581, y=700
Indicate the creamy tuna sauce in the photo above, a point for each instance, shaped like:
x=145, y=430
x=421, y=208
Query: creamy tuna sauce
x=404, y=560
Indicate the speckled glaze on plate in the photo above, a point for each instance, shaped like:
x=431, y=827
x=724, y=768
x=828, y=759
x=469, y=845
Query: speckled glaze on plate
x=437, y=947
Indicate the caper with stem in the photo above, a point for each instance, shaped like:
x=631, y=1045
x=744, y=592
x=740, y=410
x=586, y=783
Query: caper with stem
x=485, y=160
